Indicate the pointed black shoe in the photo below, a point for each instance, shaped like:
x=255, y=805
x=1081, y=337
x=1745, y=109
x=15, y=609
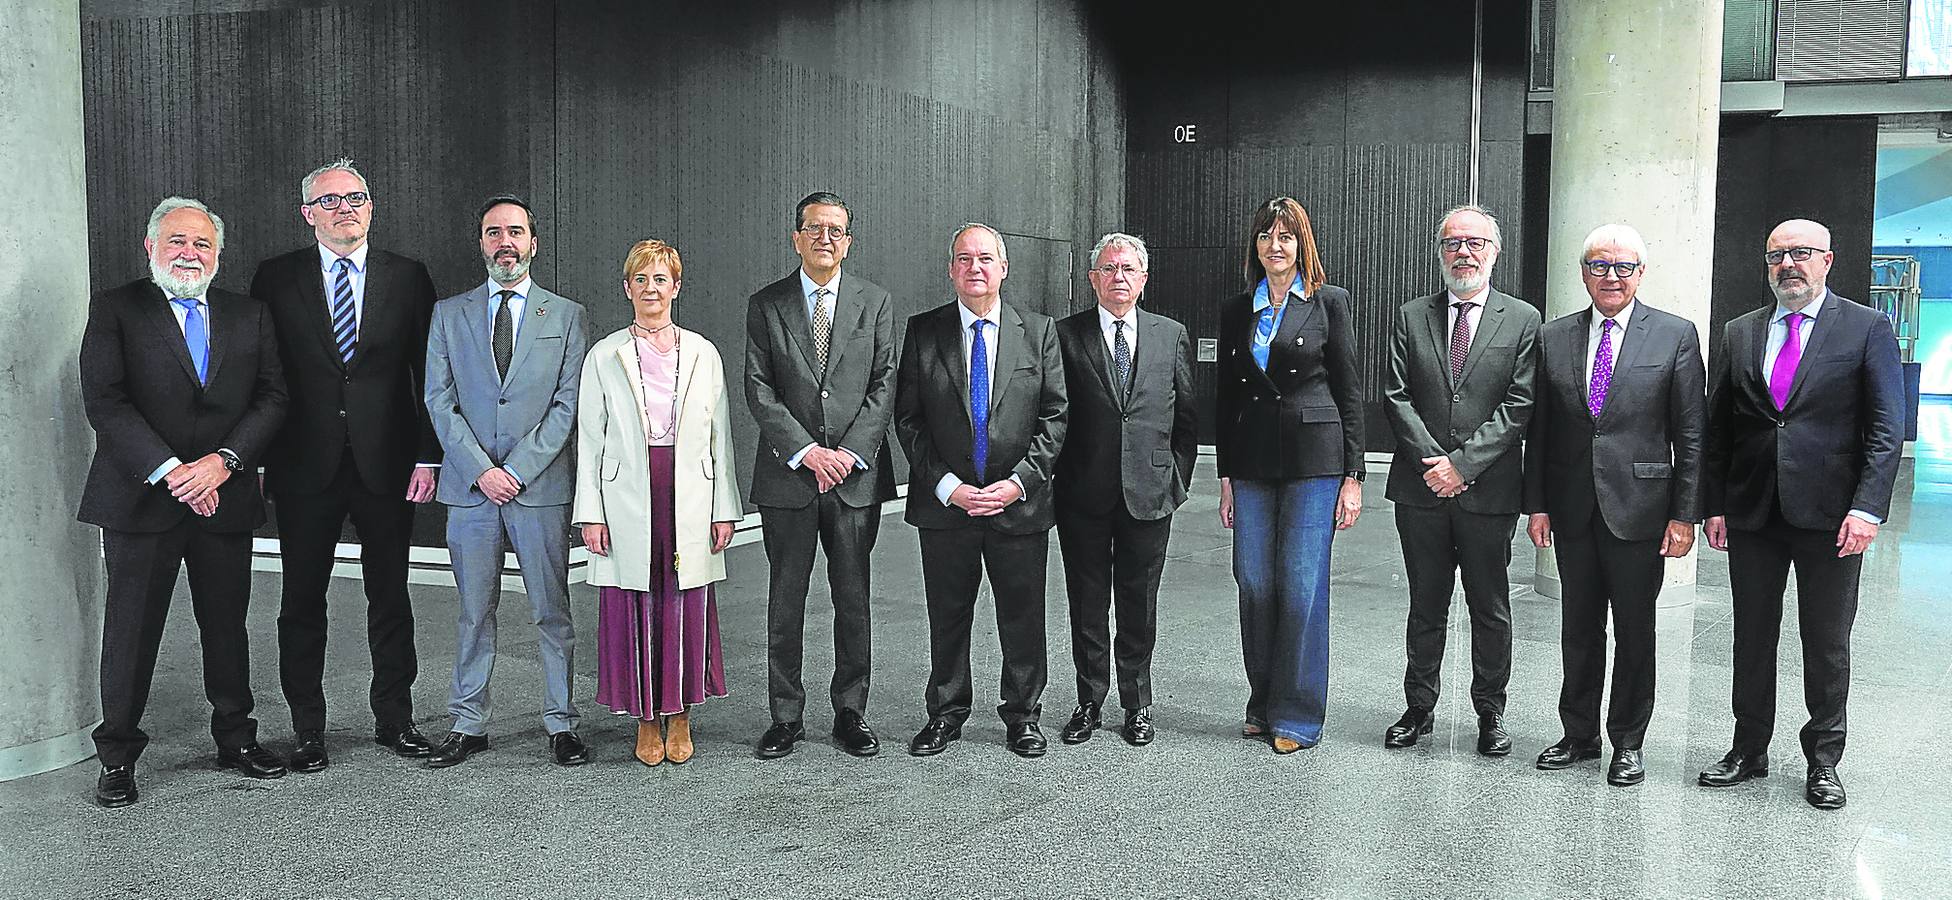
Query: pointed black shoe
x=1568, y=752
x=116, y=786
x=779, y=740
x=1735, y=768
x=1625, y=770
x=853, y=736
x=1086, y=719
x=1414, y=724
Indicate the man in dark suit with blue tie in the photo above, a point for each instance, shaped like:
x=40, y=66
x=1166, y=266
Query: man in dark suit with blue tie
x=1805, y=427
x=182, y=384
x=1128, y=459
x=980, y=408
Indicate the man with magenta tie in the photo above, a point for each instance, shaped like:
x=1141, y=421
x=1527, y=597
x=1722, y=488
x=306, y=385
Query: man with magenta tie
x=1805, y=427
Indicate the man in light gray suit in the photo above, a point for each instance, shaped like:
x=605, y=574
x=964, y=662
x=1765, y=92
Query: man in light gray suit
x=820, y=379
x=504, y=362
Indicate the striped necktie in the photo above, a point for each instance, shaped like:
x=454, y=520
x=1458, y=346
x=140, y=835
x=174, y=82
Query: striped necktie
x=345, y=324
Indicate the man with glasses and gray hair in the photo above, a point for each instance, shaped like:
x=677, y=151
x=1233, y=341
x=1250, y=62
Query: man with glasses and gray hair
x=352, y=326
x=1805, y=425
x=1613, y=485
x=1127, y=462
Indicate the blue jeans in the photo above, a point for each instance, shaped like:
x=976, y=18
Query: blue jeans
x=1282, y=533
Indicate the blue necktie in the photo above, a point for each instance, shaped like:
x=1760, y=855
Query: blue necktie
x=345, y=325
x=195, y=336
x=979, y=397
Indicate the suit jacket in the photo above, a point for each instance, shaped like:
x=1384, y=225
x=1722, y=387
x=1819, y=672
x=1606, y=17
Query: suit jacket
x=1640, y=461
x=796, y=403
x=372, y=405
x=613, y=469
x=1133, y=447
x=1302, y=416
x=1833, y=448
x=140, y=391
x=522, y=421
x=1026, y=417
x=1477, y=422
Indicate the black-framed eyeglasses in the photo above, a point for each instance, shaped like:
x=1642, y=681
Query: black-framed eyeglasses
x=1476, y=244
x=356, y=199
x=1800, y=254
x=1599, y=267
x=1109, y=271
x=831, y=232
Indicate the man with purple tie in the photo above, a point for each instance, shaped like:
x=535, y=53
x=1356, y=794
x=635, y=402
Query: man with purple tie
x=1805, y=424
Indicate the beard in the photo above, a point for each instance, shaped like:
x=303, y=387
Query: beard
x=1467, y=284
x=508, y=272
x=1795, y=296
x=165, y=276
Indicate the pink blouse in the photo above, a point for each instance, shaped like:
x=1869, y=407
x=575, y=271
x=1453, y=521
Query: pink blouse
x=659, y=371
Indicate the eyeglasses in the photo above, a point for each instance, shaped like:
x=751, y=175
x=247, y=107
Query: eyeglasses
x=1800, y=254
x=356, y=199
x=1477, y=244
x=1599, y=267
x=1110, y=271
x=831, y=232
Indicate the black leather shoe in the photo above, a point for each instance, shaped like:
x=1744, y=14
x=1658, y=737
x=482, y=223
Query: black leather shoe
x=1084, y=720
x=1735, y=768
x=1138, y=726
x=1414, y=724
x=116, y=786
x=934, y=737
x=1625, y=770
x=1568, y=752
x=251, y=759
x=456, y=749
x=853, y=736
x=1027, y=740
x=406, y=741
x=1824, y=789
x=567, y=748
x=1492, y=739
x=779, y=740
x=309, y=755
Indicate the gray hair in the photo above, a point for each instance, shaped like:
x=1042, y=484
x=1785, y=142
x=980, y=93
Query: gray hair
x=341, y=164
x=1002, y=252
x=172, y=204
x=1121, y=239
x=1497, y=237
x=1624, y=236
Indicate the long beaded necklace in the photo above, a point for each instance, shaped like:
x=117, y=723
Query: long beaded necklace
x=644, y=389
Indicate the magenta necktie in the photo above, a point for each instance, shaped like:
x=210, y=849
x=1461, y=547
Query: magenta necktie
x=1602, y=370
x=1783, y=374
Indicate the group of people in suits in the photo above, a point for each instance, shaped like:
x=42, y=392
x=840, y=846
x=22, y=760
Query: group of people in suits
x=358, y=396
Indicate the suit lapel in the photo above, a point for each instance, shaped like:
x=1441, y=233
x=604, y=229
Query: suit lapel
x=156, y=308
x=311, y=286
x=848, y=309
x=224, y=329
x=1490, y=319
x=790, y=308
x=1813, y=346
x=1437, y=320
x=687, y=370
x=1567, y=353
x=1094, y=351
x=1753, y=376
x=1631, y=346
x=633, y=377
x=1143, y=376
x=1009, y=347
x=948, y=348
x=478, y=337
x=535, y=313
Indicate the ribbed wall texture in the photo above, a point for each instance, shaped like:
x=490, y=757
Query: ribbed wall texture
x=1838, y=40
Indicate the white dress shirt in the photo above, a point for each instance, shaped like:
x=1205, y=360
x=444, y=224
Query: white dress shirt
x=1593, y=338
x=950, y=482
x=327, y=260
x=1477, y=314
x=1131, y=320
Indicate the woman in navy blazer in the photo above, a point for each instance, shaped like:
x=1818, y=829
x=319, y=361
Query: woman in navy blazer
x=1289, y=441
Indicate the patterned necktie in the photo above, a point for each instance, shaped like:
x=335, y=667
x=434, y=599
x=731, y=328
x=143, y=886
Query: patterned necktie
x=1460, y=340
x=195, y=336
x=1121, y=355
x=823, y=326
x=1782, y=376
x=345, y=325
x=503, y=339
x=979, y=397
x=1602, y=370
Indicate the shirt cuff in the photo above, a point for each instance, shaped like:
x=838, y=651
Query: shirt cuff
x=1874, y=520
x=426, y=465
x=859, y=463
x=947, y=486
x=164, y=469
x=515, y=475
x=1023, y=493
x=794, y=461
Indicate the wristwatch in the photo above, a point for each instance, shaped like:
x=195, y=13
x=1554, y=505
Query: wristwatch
x=1355, y=474
x=231, y=460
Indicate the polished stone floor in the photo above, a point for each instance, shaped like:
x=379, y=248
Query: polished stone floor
x=1200, y=813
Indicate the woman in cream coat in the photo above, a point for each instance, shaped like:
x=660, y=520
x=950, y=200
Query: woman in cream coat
x=656, y=499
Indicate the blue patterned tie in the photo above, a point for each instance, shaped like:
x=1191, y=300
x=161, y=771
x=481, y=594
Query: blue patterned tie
x=195, y=336
x=345, y=325
x=979, y=397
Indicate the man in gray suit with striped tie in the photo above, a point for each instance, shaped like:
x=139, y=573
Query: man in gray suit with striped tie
x=504, y=362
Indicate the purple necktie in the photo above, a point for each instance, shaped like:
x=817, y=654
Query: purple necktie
x=1602, y=370
x=1783, y=374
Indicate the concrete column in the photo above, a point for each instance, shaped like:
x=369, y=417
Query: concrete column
x=1636, y=108
x=50, y=565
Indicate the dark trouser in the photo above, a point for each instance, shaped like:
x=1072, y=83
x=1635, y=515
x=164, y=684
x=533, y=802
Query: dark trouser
x=1112, y=559
x=1826, y=606
x=1439, y=543
x=308, y=531
x=953, y=560
x=1598, y=571
x=142, y=570
x=847, y=535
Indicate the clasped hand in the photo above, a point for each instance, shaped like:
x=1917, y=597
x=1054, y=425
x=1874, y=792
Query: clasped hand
x=986, y=501
x=196, y=483
x=1442, y=477
x=498, y=485
x=829, y=467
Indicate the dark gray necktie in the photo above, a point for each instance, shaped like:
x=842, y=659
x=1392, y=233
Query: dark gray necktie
x=503, y=339
x=1121, y=355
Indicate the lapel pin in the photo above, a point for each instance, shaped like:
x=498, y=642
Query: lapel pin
x=539, y=311
x=1297, y=341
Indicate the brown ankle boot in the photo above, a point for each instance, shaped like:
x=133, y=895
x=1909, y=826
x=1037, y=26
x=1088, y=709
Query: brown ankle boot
x=677, y=737
x=650, y=743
